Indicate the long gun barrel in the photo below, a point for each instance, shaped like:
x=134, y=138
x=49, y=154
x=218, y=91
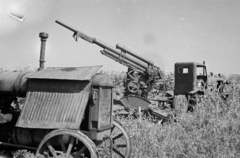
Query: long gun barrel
x=126, y=50
x=105, y=46
x=121, y=60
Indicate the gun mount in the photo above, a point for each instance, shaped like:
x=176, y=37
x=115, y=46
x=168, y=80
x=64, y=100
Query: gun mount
x=142, y=73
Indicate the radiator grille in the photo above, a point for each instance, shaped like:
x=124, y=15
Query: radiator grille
x=105, y=102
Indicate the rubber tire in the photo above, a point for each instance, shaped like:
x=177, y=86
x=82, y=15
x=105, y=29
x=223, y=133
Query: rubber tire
x=180, y=103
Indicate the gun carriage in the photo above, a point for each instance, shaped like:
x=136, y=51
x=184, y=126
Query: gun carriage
x=66, y=112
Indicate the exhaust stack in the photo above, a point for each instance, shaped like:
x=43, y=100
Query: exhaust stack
x=43, y=37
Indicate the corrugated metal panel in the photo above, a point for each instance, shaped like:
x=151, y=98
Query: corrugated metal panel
x=69, y=73
x=50, y=110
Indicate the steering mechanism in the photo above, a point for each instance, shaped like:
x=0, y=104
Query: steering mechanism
x=133, y=86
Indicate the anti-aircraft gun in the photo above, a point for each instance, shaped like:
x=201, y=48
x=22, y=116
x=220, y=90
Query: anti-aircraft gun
x=141, y=74
x=190, y=78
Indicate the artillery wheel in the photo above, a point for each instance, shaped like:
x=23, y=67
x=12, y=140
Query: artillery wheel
x=133, y=86
x=66, y=143
x=121, y=142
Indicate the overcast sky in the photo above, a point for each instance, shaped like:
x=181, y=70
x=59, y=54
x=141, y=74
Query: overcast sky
x=164, y=31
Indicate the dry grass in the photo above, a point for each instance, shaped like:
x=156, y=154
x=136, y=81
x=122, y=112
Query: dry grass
x=212, y=130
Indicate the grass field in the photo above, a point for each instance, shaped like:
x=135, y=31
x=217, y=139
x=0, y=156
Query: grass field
x=212, y=130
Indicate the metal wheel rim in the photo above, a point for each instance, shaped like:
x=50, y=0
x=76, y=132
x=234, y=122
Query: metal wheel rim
x=124, y=134
x=74, y=134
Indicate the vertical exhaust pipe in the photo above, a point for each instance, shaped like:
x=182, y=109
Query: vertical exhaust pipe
x=43, y=37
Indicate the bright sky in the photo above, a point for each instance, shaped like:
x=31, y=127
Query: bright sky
x=164, y=31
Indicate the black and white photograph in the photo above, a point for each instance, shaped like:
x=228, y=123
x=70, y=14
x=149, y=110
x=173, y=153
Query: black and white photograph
x=120, y=79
